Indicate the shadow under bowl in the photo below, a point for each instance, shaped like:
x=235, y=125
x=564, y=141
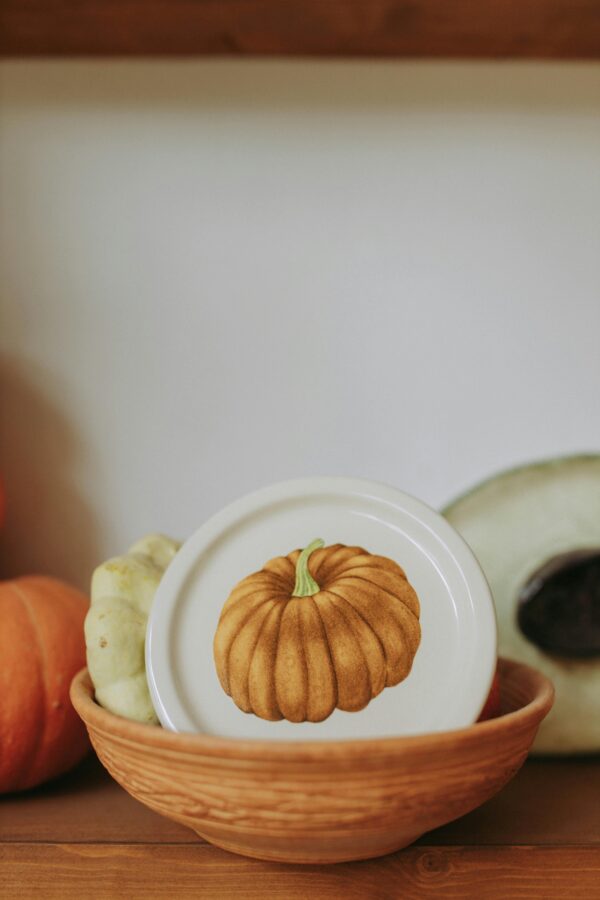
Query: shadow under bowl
x=317, y=801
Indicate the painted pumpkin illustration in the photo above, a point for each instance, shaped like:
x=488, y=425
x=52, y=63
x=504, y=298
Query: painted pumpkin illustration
x=295, y=642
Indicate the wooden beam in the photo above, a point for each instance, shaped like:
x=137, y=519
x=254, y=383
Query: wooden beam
x=535, y=29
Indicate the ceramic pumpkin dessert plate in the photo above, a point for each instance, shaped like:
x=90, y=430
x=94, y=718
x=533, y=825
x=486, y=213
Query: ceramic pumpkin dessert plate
x=382, y=626
x=287, y=648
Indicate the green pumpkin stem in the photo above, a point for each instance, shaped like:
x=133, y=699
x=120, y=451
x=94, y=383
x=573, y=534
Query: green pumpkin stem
x=306, y=586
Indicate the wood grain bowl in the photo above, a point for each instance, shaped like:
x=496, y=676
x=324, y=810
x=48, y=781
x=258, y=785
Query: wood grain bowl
x=319, y=802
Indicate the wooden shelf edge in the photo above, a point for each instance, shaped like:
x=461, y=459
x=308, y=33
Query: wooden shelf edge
x=73, y=870
x=529, y=29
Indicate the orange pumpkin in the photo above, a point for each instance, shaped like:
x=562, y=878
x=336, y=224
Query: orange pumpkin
x=41, y=649
x=296, y=644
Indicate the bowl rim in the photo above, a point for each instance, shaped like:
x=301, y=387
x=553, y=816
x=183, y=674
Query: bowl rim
x=119, y=728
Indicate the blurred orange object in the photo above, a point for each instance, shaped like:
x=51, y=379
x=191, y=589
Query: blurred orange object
x=41, y=648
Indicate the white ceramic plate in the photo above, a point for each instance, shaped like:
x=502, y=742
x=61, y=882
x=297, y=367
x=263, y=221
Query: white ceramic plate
x=454, y=664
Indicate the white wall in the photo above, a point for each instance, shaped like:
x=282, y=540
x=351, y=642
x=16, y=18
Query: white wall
x=219, y=274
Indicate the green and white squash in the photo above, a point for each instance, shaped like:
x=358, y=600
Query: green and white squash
x=123, y=589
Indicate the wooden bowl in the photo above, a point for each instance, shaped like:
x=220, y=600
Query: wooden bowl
x=319, y=802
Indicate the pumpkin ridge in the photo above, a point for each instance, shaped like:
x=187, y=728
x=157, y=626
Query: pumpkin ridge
x=373, y=632
x=279, y=608
x=333, y=639
x=404, y=609
x=349, y=602
x=305, y=641
x=272, y=575
x=233, y=606
x=334, y=679
x=292, y=558
x=223, y=661
x=410, y=628
x=317, y=559
x=301, y=629
x=227, y=651
x=247, y=622
x=293, y=625
x=284, y=577
x=261, y=575
x=267, y=574
x=234, y=601
x=320, y=559
x=333, y=567
x=372, y=561
x=385, y=591
x=279, y=621
x=249, y=585
x=357, y=637
x=40, y=658
x=390, y=665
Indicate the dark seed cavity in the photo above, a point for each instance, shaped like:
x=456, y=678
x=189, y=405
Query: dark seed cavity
x=559, y=605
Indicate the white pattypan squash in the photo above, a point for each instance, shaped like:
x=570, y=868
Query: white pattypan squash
x=123, y=589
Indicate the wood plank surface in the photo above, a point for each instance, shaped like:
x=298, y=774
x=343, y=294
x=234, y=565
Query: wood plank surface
x=85, y=806
x=404, y=28
x=550, y=801
x=76, y=871
x=82, y=837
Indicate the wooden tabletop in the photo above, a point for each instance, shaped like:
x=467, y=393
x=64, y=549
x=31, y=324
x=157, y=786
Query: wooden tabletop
x=83, y=836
